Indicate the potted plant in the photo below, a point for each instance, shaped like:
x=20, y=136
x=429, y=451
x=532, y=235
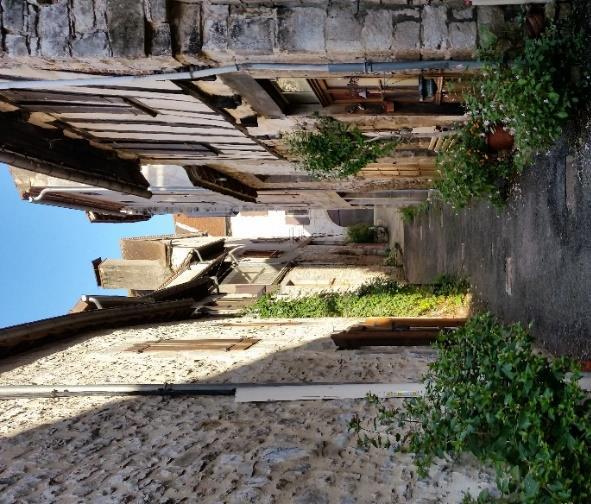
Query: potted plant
x=535, y=21
x=468, y=170
x=499, y=139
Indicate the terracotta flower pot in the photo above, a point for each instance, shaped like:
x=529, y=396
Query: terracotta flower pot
x=535, y=22
x=499, y=139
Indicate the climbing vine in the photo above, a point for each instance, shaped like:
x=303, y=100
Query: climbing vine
x=491, y=395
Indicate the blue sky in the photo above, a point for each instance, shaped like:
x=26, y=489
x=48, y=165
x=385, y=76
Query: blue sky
x=46, y=254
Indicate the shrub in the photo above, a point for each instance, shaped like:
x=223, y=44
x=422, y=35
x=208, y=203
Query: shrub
x=378, y=298
x=532, y=96
x=361, y=233
x=468, y=171
x=450, y=285
x=335, y=149
x=491, y=395
x=409, y=213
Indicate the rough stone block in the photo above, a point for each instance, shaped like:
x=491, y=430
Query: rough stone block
x=34, y=46
x=31, y=18
x=54, y=29
x=302, y=30
x=215, y=27
x=435, y=31
x=462, y=36
x=157, y=11
x=15, y=45
x=377, y=34
x=185, y=23
x=368, y=4
x=100, y=15
x=83, y=16
x=126, y=24
x=390, y=3
x=463, y=14
x=160, y=39
x=252, y=31
x=408, y=14
x=13, y=15
x=92, y=45
x=489, y=18
x=343, y=30
x=407, y=38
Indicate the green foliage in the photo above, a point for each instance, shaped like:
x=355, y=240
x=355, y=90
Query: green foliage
x=531, y=97
x=335, y=149
x=395, y=257
x=468, y=171
x=450, y=285
x=379, y=298
x=491, y=395
x=361, y=233
x=409, y=213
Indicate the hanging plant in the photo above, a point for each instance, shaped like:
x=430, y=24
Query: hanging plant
x=334, y=149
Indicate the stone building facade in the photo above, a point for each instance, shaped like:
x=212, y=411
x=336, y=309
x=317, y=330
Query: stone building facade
x=154, y=34
x=213, y=146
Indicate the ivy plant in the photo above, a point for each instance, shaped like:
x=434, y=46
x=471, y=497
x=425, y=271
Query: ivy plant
x=531, y=96
x=490, y=394
x=334, y=149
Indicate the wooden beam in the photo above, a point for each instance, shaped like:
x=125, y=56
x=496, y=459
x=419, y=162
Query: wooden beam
x=214, y=180
x=394, y=331
x=194, y=91
x=50, y=152
x=256, y=96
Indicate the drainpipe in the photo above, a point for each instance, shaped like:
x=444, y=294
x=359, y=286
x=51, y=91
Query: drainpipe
x=48, y=190
x=366, y=67
x=164, y=389
x=91, y=299
x=155, y=190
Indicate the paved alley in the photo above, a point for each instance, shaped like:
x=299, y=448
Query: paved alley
x=528, y=262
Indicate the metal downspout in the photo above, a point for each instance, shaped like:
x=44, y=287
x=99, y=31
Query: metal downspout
x=365, y=67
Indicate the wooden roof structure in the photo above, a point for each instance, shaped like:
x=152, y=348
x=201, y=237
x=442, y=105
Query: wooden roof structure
x=159, y=122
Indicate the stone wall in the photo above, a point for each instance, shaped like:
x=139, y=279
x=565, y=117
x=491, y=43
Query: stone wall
x=339, y=31
x=117, y=35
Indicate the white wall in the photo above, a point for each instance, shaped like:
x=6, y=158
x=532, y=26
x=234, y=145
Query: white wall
x=273, y=225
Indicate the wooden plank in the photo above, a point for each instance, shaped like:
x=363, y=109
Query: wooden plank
x=326, y=391
x=221, y=344
x=46, y=96
x=187, y=106
x=227, y=147
x=179, y=146
x=390, y=322
x=59, y=108
x=160, y=119
x=188, y=118
x=172, y=95
x=196, y=92
x=252, y=91
x=51, y=153
x=146, y=159
x=171, y=137
x=159, y=153
x=139, y=127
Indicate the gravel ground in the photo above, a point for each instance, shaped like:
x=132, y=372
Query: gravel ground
x=210, y=449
